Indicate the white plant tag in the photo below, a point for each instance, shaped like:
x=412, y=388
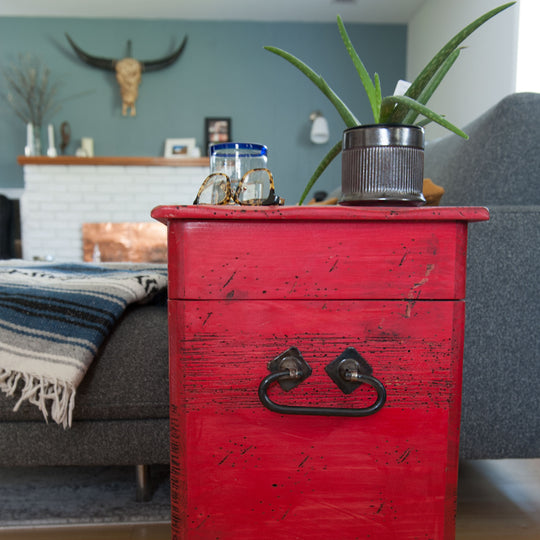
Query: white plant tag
x=401, y=87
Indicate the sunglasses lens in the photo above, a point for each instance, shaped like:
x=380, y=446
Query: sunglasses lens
x=255, y=187
x=214, y=190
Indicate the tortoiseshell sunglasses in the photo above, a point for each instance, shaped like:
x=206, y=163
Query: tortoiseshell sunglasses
x=255, y=189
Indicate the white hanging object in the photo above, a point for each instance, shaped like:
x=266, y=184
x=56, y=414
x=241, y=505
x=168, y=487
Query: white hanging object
x=319, y=129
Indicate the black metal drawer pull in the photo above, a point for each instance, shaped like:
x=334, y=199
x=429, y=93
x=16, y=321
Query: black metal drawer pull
x=289, y=369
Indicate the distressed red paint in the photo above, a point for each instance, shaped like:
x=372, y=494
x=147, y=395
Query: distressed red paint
x=247, y=284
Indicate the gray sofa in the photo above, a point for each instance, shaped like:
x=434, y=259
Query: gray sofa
x=499, y=167
x=121, y=413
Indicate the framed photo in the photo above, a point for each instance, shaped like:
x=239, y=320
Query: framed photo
x=217, y=130
x=179, y=148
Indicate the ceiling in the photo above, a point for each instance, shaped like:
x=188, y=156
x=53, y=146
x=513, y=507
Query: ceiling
x=367, y=11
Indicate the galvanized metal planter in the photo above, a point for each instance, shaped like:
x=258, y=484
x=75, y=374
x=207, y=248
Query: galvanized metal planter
x=383, y=164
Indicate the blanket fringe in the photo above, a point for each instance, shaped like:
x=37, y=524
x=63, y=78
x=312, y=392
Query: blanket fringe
x=41, y=392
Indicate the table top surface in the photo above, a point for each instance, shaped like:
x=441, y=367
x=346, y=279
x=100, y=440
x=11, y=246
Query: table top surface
x=168, y=213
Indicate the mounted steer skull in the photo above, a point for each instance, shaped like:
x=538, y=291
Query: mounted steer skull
x=128, y=71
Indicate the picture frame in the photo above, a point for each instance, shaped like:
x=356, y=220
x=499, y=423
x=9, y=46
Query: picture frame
x=217, y=130
x=179, y=148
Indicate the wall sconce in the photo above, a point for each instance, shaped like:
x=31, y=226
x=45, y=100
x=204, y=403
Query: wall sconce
x=319, y=128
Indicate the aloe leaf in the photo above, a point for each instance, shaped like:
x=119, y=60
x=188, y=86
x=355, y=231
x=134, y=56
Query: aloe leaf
x=334, y=151
x=387, y=108
x=410, y=103
x=432, y=67
x=436, y=80
x=345, y=113
x=433, y=84
x=377, y=117
x=369, y=87
x=424, y=122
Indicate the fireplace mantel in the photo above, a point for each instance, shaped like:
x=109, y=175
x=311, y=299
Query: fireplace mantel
x=125, y=161
x=61, y=194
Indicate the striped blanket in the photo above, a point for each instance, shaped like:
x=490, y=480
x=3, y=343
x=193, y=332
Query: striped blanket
x=54, y=317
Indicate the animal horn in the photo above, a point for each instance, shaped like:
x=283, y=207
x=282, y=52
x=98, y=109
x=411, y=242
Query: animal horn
x=96, y=61
x=150, y=65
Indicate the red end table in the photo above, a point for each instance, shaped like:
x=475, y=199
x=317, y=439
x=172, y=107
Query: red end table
x=315, y=370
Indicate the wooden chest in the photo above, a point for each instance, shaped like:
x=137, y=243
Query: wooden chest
x=359, y=314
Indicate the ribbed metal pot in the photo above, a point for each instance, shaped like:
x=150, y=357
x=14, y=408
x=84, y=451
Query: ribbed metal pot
x=383, y=164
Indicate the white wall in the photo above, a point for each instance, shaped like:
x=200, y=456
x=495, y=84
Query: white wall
x=528, y=65
x=484, y=73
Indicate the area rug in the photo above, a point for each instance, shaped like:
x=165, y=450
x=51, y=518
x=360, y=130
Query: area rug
x=54, y=496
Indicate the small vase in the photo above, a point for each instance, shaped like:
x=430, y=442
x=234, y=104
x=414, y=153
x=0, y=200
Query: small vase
x=37, y=140
x=383, y=164
x=33, y=140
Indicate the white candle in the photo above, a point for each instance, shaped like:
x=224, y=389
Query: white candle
x=29, y=148
x=51, y=151
x=51, y=136
x=87, y=144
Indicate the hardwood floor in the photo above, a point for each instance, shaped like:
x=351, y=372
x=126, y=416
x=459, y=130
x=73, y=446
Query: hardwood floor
x=498, y=500
x=155, y=531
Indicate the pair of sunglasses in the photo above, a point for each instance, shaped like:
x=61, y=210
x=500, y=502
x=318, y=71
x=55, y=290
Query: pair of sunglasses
x=256, y=188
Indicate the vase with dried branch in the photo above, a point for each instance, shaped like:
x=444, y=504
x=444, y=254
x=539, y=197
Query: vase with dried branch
x=32, y=93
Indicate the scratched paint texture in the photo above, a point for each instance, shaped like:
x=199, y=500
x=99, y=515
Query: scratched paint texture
x=242, y=291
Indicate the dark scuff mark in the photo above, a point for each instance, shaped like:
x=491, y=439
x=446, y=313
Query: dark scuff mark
x=225, y=458
x=229, y=280
x=202, y=522
x=404, y=456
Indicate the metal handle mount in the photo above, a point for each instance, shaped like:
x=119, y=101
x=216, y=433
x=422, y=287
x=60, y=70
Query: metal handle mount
x=349, y=371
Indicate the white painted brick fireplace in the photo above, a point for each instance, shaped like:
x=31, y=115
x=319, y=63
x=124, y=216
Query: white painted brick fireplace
x=59, y=198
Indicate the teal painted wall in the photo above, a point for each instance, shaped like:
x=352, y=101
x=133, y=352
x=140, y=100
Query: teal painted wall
x=224, y=71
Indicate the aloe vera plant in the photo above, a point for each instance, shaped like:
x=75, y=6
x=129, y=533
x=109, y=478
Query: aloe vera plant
x=409, y=108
